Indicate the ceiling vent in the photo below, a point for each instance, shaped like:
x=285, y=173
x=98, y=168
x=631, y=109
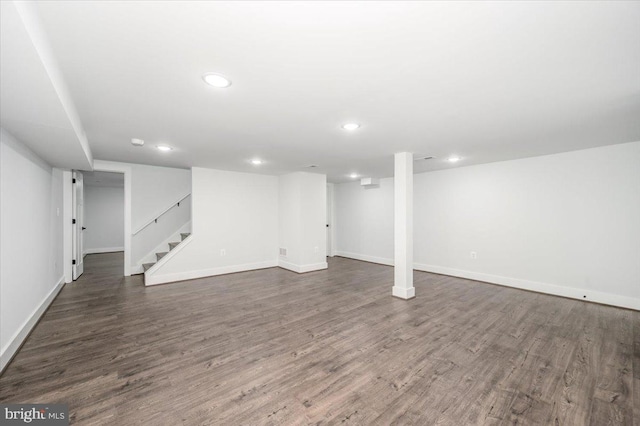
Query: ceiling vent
x=424, y=158
x=311, y=166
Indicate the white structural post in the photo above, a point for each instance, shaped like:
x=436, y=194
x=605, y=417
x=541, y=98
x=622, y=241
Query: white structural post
x=403, y=226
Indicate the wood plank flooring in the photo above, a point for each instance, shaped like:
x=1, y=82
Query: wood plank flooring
x=273, y=347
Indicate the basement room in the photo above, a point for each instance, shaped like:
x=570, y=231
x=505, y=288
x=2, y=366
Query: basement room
x=319, y=213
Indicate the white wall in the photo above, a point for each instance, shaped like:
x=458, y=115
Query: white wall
x=364, y=221
x=103, y=218
x=302, y=221
x=153, y=189
x=566, y=224
x=31, y=254
x=234, y=212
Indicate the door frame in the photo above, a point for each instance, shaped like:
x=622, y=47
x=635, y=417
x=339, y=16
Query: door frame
x=77, y=211
x=98, y=166
x=109, y=166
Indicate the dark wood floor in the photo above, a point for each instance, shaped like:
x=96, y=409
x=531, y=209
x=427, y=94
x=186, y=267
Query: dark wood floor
x=273, y=347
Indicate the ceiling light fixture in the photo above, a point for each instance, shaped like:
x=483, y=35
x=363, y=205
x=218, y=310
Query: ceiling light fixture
x=216, y=80
x=164, y=148
x=454, y=159
x=353, y=175
x=350, y=126
x=256, y=162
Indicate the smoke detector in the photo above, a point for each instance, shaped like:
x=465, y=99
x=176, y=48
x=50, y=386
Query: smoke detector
x=137, y=142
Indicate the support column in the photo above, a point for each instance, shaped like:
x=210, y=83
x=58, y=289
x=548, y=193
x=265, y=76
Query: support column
x=403, y=226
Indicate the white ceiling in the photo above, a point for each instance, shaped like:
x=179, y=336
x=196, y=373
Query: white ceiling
x=486, y=81
x=103, y=179
x=35, y=105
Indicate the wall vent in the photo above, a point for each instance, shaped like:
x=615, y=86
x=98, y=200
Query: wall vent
x=283, y=251
x=369, y=182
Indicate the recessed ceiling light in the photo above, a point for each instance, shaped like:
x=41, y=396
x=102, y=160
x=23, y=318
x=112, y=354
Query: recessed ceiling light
x=454, y=159
x=353, y=175
x=350, y=126
x=256, y=162
x=164, y=148
x=216, y=80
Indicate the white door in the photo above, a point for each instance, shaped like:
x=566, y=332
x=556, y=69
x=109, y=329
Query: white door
x=329, y=224
x=78, y=225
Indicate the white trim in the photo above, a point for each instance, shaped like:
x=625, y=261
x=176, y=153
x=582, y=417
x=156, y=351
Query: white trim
x=20, y=336
x=403, y=292
x=301, y=269
x=553, y=289
x=366, y=258
x=190, y=275
x=539, y=287
x=157, y=216
x=103, y=250
x=108, y=166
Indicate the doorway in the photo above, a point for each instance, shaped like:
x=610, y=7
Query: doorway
x=98, y=218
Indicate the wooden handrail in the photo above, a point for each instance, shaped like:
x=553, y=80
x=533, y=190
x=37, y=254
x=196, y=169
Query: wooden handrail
x=156, y=217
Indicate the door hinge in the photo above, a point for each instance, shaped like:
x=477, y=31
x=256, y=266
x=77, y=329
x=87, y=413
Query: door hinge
x=73, y=180
x=73, y=262
x=73, y=221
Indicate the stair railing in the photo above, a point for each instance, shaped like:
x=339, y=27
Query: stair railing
x=158, y=216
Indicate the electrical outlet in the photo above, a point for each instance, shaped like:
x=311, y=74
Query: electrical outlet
x=474, y=255
x=223, y=252
x=57, y=211
x=316, y=249
x=283, y=251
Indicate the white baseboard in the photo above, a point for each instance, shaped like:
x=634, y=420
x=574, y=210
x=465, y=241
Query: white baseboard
x=190, y=275
x=366, y=258
x=301, y=269
x=546, y=288
x=403, y=293
x=19, y=337
x=554, y=289
x=103, y=250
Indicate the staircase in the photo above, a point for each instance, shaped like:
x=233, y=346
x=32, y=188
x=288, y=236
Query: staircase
x=160, y=255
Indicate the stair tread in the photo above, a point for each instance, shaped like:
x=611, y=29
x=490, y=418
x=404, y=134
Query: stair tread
x=161, y=254
x=185, y=234
x=146, y=266
x=173, y=245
